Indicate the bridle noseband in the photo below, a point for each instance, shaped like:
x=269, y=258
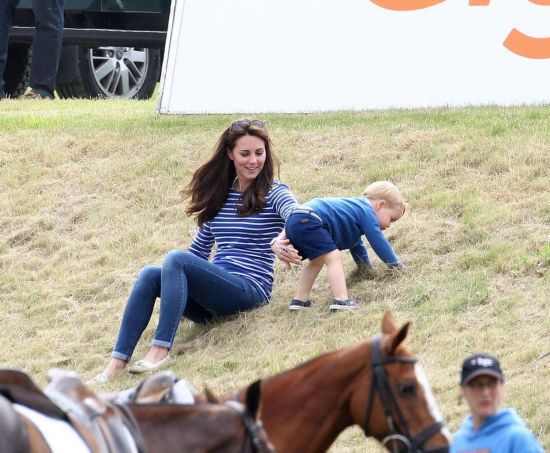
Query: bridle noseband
x=398, y=428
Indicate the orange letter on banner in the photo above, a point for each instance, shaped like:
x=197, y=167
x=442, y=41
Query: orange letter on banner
x=479, y=2
x=541, y=2
x=406, y=5
x=527, y=46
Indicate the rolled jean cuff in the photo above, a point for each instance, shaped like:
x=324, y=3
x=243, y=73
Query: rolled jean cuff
x=120, y=356
x=162, y=344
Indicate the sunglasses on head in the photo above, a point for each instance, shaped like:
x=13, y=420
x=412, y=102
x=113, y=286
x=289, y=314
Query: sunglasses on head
x=241, y=125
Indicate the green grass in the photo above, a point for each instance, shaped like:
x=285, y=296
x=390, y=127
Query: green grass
x=88, y=195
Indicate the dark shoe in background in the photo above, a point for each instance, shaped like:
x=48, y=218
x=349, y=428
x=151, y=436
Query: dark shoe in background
x=32, y=94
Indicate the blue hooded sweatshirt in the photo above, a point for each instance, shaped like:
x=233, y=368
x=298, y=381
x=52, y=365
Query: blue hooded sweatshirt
x=504, y=432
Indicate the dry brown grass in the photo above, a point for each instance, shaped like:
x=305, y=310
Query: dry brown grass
x=88, y=195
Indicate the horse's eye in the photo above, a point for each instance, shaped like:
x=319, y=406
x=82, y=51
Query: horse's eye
x=407, y=390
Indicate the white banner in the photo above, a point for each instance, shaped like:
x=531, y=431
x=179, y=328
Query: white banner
x=228, y=56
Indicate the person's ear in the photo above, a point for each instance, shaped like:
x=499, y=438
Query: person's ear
x=379, y=204
x=230, y=154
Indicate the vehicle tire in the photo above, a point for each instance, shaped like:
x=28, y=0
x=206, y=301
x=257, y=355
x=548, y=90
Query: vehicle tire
x=18, y=69
x=108, y=72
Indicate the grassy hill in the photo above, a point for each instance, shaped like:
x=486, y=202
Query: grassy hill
x=88, y=195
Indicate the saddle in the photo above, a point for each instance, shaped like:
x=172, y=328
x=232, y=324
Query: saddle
x=104, y=427
x=18, y=387
x=163, y=387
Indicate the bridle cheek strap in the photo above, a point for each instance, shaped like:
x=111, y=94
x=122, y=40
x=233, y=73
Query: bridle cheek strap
x=379, y=382
x=399, y=431
x=251, y=426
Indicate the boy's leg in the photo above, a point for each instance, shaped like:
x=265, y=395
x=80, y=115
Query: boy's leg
x=335, y=274
x=307, y=277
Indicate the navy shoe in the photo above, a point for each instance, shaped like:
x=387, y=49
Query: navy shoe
x=348, y=304
x=297, y=304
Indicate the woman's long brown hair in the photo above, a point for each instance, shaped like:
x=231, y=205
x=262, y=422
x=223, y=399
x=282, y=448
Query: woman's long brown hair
x=210, y=184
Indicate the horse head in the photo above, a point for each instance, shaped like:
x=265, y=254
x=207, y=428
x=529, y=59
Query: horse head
x=399, y=409
x=375, y=384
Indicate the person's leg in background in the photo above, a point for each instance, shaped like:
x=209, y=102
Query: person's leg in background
x=6, y=16
x=46, y=48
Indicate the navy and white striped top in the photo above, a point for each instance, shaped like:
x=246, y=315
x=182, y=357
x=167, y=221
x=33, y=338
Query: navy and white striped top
x=243, y=242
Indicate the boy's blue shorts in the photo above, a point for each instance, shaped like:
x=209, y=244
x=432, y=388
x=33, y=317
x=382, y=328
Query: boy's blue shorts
x=308, y=234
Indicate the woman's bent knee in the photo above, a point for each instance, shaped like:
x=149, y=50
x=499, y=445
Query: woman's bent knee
x=176, y=258
x=149, y=274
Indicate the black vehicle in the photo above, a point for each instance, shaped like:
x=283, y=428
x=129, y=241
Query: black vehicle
x=111, y=48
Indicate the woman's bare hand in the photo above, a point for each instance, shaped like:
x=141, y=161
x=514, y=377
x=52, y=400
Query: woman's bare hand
x=286, y=252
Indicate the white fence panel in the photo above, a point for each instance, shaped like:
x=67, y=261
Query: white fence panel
x=227, y=56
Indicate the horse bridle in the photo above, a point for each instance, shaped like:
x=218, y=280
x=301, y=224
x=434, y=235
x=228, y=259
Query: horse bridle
x=131, y=424
x=398, y=428
x=252, y=429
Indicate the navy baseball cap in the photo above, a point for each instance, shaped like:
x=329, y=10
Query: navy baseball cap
x=480, y=365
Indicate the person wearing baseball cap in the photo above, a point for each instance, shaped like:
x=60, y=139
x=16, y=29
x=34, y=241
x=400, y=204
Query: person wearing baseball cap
x=488, y=428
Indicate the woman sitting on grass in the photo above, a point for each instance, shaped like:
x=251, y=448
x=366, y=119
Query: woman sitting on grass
x=240, y=208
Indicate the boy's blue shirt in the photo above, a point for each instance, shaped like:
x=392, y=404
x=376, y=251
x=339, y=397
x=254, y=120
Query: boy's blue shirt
x=349, y=219
x=504, y=432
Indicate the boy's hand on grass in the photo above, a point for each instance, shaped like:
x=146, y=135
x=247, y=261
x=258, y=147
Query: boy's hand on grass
x=364, y=269
x=363, y=266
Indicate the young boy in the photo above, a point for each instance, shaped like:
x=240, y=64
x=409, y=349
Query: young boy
x=324, y=226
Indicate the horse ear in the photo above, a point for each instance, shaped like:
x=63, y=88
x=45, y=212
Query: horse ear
x=397, y=338
x=210, y=396
x=252, y=398
x=389, y=325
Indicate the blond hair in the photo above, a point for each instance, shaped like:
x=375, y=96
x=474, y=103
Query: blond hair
x=384, y=190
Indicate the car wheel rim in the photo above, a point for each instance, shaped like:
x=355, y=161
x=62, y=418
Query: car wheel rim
x=119, y=71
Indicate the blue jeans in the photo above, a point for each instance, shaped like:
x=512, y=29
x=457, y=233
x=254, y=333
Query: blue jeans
x=188, y=286
x=46, y=47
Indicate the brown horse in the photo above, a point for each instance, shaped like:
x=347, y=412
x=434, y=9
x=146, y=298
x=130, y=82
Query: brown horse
x=376, y=384
x=85, y=422
x=211, y=427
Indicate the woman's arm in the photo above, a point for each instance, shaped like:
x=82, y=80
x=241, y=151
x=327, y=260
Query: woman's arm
x=202, y=242
x=284, y=202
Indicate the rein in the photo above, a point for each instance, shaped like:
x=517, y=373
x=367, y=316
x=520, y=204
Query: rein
x=398, y=428
x=252, y=429
x=131, y=424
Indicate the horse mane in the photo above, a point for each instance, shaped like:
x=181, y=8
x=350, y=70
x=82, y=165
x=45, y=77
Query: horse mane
x=337, y=361
x=253, y=397
x=394, y=341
